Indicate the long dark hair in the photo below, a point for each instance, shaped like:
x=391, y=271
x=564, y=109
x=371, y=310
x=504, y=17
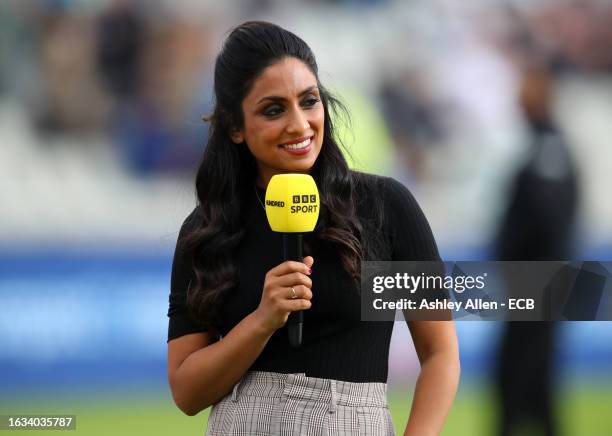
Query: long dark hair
x=227, y=171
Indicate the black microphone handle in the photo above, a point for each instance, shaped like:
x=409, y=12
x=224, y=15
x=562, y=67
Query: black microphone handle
x=292, y=250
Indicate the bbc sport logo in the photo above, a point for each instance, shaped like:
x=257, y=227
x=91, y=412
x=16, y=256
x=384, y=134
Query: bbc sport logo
x=304, y=199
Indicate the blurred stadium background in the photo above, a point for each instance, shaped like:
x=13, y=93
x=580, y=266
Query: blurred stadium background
x=100, y=134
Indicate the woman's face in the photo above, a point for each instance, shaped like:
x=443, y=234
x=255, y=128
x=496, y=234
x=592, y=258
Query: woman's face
x=283, y=120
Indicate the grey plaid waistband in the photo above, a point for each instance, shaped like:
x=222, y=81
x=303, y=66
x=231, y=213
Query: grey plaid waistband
x=299, y=386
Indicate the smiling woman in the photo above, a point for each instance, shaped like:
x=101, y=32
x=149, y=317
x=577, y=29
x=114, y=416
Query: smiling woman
x=232, y=293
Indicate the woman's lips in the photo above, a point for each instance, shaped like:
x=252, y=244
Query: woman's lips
x=300, y=148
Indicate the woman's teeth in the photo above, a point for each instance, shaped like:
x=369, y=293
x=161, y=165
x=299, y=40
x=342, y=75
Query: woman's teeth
x=297, y=146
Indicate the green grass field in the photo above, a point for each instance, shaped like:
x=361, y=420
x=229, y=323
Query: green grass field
x=582, y=411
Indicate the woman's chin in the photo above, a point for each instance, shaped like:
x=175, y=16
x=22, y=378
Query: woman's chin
x=299, y=168
x=302, y=166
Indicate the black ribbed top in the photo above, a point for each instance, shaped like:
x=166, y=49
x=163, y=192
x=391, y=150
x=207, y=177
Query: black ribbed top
x=336, y=343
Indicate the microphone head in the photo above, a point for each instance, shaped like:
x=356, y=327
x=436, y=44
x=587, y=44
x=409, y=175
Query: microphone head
x=292, y=203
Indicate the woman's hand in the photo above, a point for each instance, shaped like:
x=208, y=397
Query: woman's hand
x=277, y=299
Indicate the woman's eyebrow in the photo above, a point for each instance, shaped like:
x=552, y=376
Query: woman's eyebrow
x=276, y=98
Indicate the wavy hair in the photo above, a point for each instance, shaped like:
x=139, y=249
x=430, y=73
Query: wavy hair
x=228, y=171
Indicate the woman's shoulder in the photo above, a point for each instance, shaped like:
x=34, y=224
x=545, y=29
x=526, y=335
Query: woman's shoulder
x=381, y=198
x=191, y=222
x=386, y=197
x=387, y=189
x=366, y=179
x=403, y=220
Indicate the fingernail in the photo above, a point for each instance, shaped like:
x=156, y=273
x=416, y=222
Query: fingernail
x=309, y=270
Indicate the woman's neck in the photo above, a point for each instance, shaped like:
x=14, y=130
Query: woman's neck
x=263, y=178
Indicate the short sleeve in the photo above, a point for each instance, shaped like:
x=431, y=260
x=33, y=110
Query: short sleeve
x=410, y=234
x=180, y=321
x=413, y=240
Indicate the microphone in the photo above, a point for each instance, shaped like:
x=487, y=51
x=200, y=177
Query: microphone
x=292, y=208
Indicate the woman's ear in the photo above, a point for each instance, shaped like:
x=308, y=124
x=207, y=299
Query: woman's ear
x=237, y=136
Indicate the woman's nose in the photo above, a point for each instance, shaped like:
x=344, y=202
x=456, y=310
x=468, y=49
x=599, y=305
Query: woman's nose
x=297, y=122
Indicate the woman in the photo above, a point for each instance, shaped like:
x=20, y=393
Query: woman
x=232, y=293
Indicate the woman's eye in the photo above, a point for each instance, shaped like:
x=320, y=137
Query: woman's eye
x=272, y=111
x=276, y=110
x=311, y=101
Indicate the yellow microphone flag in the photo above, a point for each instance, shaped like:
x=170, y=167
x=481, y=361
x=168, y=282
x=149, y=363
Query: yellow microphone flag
x=292, y=203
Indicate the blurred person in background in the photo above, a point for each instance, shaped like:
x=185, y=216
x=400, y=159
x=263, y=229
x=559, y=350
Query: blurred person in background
x=69, y=76
x=120, y=35
x=413, y=119
x=151, y=68
x=538, y=225
x=231, y=293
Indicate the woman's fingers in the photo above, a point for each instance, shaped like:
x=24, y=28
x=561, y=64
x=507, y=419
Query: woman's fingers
x=301, y=291
x=293, y=279
x=290, y=266
x=297, y=304
x=309, y=261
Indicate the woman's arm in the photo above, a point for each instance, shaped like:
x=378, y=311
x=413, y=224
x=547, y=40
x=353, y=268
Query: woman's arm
x=435, y=341
x=201, y=372
x=436, y=346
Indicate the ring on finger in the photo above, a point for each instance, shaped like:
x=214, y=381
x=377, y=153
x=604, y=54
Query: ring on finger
x=293, y=293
